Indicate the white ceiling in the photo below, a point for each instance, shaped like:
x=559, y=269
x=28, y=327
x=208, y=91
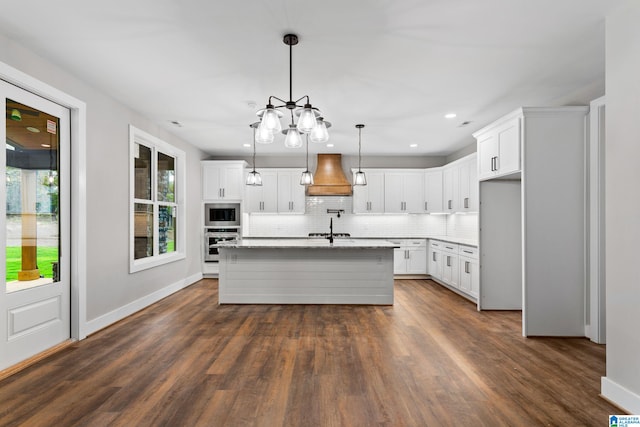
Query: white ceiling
x=397, y=66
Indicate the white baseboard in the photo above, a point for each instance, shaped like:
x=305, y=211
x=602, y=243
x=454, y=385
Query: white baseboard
x=621, y=396
x=114, y=316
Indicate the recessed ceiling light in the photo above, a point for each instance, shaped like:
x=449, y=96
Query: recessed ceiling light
x=329, y=145
x=32, y=129
x=450, y=116
x=246, y=145
x=45, y=145
x=413, y=145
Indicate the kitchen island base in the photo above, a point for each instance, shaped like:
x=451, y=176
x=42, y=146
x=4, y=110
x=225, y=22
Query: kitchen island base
x=310, y=275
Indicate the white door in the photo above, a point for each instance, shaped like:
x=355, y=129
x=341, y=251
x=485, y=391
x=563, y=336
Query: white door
x=35, y=304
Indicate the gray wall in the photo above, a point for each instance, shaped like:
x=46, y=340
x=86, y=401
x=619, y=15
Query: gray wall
x=109, y=284
x=348, y=162
x=464, y=151
x=622, y=176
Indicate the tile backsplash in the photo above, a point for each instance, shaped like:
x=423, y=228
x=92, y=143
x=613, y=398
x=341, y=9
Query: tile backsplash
x=316, y=220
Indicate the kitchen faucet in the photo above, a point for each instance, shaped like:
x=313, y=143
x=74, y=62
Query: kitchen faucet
x=330, y=231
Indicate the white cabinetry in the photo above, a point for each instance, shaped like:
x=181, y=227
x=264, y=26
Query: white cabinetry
x=455, y=266
x=460, y=185
x=435, y=259
x=499, y=148
x=468, y=175
x=450, y=189
x=469, y=270
x=404, y=191
x=433, y=191
x=532, y=255
x=369, y=198
x=263, y=198
x=450, y=274
x=410, y=257
x=290, y=192
x=280, y=192
x=223, y=180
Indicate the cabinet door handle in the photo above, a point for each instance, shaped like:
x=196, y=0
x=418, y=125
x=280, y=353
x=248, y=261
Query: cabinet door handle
x=433, y=254
x=449, y=204
x=466, y=267
x=466, y=202
x=492, y=169
x=448, y=261
x=425, y=206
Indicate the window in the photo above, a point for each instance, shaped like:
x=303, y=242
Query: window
x=157, y=212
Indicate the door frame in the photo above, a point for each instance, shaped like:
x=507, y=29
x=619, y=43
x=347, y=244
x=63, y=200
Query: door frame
x=78, y=118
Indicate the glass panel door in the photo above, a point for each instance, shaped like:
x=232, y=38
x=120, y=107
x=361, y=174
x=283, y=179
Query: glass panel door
x=35, y=304
x=32, y=197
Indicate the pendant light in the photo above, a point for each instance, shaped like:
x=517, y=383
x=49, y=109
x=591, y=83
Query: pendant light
x=319, y=134
x=360, y=178
x=307, y=177
x=254, y=178
x=292, y=138
x=307, y=114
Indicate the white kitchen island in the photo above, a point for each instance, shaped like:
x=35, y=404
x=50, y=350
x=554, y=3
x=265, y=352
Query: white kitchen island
x=306, y=271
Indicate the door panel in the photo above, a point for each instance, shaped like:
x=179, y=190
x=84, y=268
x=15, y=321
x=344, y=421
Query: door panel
x=35, y=304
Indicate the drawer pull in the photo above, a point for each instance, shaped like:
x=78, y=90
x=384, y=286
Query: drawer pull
x=467, y=252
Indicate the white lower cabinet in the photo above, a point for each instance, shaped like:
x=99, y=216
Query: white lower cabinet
x=455, y=266
x=435, y=259
x=450, y=264
x=469, y=270
x=410, y=257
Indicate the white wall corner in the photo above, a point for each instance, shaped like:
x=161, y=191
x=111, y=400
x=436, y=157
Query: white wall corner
x=620, y=396
x=120, y=313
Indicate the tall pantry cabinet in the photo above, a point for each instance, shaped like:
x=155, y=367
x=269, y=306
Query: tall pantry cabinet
x=532, y=171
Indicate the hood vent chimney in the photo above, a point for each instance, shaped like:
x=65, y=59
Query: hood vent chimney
x=329, y=179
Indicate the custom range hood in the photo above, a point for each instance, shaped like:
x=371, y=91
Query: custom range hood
x=329, y=179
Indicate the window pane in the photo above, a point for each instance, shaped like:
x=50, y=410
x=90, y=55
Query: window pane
x=142, y=172
x=167, y=229
x=32, y=199
x=166, y=178
x=143, y=230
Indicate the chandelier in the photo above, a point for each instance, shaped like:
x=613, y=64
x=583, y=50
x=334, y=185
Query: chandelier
x=310, y=120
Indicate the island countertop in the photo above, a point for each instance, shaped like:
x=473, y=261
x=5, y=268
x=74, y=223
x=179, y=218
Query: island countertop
x=282, y=243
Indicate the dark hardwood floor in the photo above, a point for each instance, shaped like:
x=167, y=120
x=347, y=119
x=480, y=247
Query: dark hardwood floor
x=429, y=360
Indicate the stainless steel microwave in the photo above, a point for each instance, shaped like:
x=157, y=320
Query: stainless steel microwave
x=222, y=215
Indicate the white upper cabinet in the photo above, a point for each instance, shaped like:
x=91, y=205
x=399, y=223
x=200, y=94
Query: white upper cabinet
x=433, y=191
x=369, y=198
x=280, y=192
x=450, y=188
x=223, y=180
x=290, y=192
x=468, y=175
x=460, y=185
x=263, y=198
x=499, y=148
x=404, y=191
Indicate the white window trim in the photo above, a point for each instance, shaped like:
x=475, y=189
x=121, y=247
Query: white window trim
x=139, y=136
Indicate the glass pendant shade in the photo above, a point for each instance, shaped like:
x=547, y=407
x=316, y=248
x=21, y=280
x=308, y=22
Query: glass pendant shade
x=264, y=135
x=319, y=133
x=292, y=140
x=306, y=178
x=360, y=178
x=307, y=120
x=254, y=178
x=271, y=120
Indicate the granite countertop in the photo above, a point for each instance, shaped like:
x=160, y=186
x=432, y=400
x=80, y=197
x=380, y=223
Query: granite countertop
x=458, y=240
x=305, y=243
